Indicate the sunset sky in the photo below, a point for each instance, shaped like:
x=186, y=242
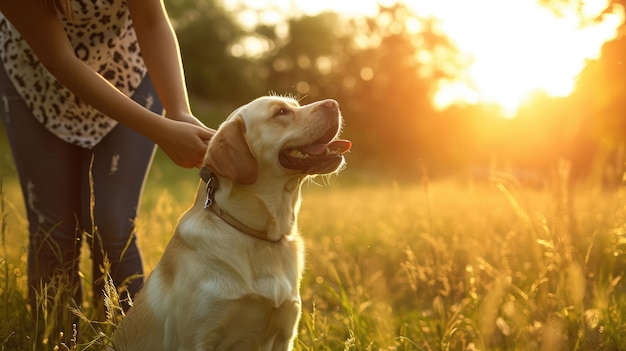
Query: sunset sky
x=514, y=48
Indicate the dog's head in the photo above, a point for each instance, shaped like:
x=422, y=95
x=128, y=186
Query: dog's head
x=276, y=136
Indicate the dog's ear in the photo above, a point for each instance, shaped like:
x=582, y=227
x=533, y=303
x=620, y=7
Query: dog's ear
x=229, y=155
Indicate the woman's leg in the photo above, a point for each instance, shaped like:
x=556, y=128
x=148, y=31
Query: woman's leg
x=120, y=165
x=49, y=171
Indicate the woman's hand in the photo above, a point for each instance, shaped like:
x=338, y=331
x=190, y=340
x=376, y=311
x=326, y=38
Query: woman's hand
x=185, y=142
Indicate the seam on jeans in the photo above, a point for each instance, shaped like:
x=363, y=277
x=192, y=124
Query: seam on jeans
x=31, y=200
x=5, y=102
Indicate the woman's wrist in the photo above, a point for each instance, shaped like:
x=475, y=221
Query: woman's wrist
x=186, y=117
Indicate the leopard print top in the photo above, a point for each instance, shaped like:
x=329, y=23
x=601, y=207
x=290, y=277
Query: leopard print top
x=102, y=35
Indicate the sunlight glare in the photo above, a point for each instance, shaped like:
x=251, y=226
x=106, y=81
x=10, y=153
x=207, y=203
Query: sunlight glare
x=517, y=48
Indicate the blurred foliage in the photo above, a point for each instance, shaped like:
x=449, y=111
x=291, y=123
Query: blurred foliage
x=384, y=78
x=205, y=33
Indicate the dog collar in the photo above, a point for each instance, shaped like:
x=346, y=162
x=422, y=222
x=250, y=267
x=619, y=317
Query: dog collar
x=211, y=186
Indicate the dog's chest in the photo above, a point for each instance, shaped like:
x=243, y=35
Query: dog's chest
x=229, y=269
x=273, y=275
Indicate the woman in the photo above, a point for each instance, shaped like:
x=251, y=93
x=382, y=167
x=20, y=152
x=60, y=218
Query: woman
x=73, y=69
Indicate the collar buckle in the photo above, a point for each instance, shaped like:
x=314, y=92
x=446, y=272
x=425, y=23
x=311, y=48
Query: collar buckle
x=211, y=185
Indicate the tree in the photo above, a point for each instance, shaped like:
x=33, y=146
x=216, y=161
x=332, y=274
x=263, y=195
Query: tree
x=206, y=33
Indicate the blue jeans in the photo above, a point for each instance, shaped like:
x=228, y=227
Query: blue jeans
x=59, y=181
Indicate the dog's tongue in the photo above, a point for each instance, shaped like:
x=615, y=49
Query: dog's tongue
x=340, y=146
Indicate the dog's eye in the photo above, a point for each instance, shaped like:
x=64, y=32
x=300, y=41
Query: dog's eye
x=281, y=112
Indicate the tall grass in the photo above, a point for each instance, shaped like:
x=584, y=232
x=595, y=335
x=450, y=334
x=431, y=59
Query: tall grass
x=430, y=266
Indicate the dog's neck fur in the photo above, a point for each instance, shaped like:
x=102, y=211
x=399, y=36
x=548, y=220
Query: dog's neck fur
x=265, y=209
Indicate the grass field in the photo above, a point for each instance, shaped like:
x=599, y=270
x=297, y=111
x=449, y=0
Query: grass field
x=440, y=265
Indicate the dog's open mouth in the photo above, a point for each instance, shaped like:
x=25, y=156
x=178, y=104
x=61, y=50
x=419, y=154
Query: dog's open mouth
x=317, y=158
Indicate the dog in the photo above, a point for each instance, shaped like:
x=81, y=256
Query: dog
x=229, y=278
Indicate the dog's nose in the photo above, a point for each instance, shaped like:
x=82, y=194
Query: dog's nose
x=330, y=104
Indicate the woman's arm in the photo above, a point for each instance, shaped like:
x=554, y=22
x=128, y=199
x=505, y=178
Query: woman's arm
x=160, y=52
x=184, y=143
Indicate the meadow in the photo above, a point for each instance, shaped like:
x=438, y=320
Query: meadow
x=450, y=264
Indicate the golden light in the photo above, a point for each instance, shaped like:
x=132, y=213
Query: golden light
x=517, y=48
x=510, y=50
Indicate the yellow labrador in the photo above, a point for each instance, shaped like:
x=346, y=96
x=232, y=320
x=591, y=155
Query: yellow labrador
x=229, y=278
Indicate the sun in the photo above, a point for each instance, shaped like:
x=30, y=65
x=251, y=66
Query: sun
x=515, y=49
x=518, y=48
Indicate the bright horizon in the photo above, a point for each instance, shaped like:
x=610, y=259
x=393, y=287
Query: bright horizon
x=513, y=49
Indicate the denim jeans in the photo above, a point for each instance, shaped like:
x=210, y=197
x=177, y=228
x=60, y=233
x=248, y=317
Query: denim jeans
x=74, y=194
